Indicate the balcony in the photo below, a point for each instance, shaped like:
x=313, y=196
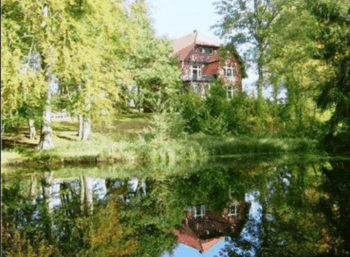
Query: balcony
x=189, y=77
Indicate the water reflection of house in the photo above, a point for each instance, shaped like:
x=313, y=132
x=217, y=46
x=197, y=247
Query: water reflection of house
x=203, y=229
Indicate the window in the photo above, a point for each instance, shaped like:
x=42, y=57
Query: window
x=230, y=90
x=198, y=211
x=196, y=88
x=233, y=210
x=196, y=72
x=205, y=90
x=228, y=71
x=206, y=50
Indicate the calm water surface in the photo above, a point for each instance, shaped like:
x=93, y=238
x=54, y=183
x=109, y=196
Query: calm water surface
x=227, y=206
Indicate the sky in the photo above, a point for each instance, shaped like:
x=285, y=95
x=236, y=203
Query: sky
x=176, y=18
x=185, y=251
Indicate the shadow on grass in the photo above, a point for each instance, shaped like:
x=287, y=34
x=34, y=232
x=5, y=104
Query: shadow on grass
x=14, y=144
x=66, y=138
x=64, y=126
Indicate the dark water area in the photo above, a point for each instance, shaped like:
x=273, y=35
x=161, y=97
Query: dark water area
x=291, y=206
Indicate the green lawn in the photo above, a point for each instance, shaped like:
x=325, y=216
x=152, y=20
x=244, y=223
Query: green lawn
x=17, y=146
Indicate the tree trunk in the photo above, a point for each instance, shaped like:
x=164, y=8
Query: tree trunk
x=46, y=131
x=32, y=131
x=260, y=81
x=80, y=131
x=32, y=193
x=88, y=195
x=86, y=128
x=82, y=194
x=46, y=184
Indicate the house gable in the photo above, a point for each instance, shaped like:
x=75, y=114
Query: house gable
x=199, y=59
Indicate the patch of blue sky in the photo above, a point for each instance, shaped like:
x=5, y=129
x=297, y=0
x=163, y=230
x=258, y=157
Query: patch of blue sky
x=251, y=230
x=186, y=251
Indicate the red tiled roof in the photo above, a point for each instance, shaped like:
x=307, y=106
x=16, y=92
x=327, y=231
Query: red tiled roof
x=207, y=244
x=183, y=45
x=211, y=68
x=182, y=54
x=215, y=57
x=202, y=39
x=200, y=245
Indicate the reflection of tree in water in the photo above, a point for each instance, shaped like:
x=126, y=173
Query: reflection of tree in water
x=71, y=222
x=68, y=229
x=308, y=216
x=335, y=204
x=308, y=212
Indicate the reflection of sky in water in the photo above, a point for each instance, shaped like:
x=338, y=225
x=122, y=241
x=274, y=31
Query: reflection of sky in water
x=251, y=230
x=98, y=186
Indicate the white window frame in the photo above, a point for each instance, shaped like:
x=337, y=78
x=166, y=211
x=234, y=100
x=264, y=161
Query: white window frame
x=230, y=91
x=202, y=211
x=230, y=213
x=231, y=68
x=198, y=68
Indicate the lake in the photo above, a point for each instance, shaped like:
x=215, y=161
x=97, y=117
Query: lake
x=229, y=205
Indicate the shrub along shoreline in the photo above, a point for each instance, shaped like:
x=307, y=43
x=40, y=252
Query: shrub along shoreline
x=139, y=150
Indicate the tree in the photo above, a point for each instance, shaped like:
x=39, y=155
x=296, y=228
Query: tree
x=156, y=75
x=62, y=35
x=249, y=21
x=22, y=78
x=293, y=66
x=334, y=37
x=92, y=83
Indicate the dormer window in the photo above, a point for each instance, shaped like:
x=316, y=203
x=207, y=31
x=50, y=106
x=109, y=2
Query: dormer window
x=206, y=50
x=228, y=71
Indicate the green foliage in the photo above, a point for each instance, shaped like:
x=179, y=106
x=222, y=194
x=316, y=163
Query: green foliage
x=212, y=121
x=309, y=57
x=249, y=21
x=217, y=115
x=334, y=36
x=191, y=107
x=229, y=50
x=109, y=236
x=156, y=75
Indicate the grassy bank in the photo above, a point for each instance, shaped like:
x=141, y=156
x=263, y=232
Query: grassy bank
x=119, y=142
x=250, y=145
x=126, y=141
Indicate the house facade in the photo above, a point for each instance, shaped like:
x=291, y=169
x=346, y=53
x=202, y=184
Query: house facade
x=201, y=64
x=202, y=229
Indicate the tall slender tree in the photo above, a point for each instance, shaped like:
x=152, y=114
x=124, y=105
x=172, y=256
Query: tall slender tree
x=248, y=23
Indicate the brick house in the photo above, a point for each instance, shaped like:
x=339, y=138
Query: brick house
x=202, y=229
x=201, y=64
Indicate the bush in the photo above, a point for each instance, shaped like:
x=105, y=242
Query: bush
x=191, y=108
